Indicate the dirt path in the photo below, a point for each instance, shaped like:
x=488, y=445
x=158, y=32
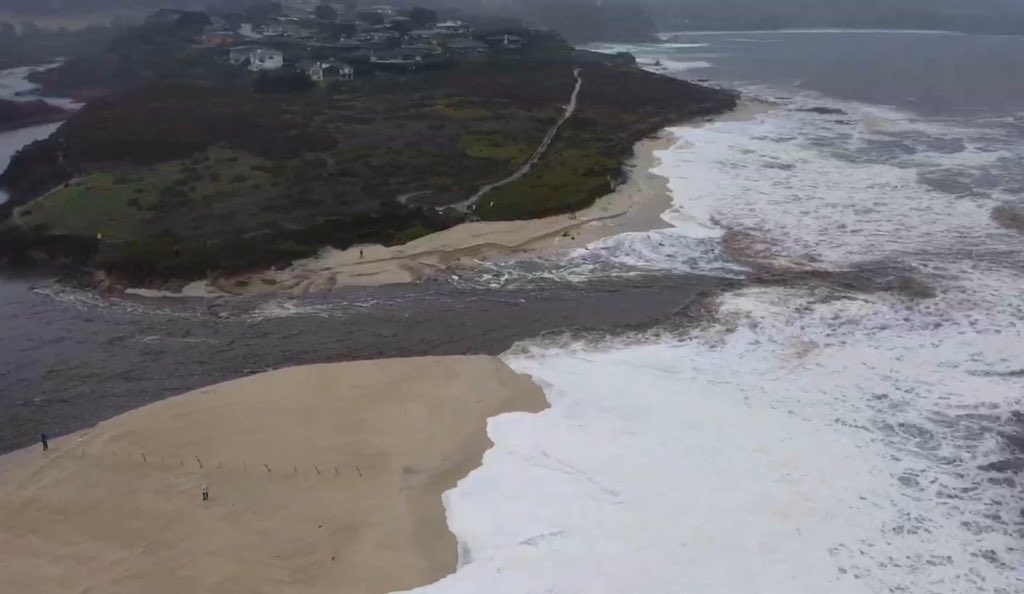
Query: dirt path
x=537, y=154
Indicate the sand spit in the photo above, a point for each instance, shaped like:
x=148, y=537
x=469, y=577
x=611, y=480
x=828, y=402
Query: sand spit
x=322, y=479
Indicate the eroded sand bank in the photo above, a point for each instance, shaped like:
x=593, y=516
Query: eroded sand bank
x=322, y=479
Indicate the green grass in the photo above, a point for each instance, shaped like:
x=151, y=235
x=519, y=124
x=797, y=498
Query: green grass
x=120, y=206
x=462, y=111
x=566, y=179
x=498, y=147
x=101, y=203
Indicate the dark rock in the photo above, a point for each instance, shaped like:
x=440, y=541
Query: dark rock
x=1015, y=441
x=823, y=110
x=1015, y=465
x=914, y=288
x=1009, y=216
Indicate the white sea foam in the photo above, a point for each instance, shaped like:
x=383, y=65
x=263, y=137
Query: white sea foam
x=681, y=45
x=615, y=48
x=803, y=445
x=672, y=35
x=837, y=192
x=808, y=440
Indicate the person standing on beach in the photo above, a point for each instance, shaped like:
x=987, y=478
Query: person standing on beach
x=206, y=492
x=46, y=442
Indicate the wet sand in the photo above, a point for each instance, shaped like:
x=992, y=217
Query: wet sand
x=322, y=479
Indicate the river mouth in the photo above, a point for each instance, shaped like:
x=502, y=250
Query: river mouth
x=73, y=358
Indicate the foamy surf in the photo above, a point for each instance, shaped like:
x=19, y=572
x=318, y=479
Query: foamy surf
x=805, y=439
x=808, y=442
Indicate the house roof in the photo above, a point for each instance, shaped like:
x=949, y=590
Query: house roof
x=418, y=47
x=466, y=44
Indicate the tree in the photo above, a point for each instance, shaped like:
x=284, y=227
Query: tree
x=325, y=12
x=402, y=26
x=263, y=11
x=422, y=17
x=371, y=17
x=29, y=29
x=286, y=81
x=193, y=19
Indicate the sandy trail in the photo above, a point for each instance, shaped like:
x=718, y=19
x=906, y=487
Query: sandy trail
x=322, y=479
x=570, y=109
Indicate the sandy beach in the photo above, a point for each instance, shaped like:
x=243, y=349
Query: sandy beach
x=321, y=479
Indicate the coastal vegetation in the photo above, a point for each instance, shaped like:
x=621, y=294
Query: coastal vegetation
x=179, y=176
x=19, y=114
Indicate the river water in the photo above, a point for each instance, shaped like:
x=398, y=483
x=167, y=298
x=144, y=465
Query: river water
x=786, y=437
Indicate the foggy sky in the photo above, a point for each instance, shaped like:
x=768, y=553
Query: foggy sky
x=969, y=15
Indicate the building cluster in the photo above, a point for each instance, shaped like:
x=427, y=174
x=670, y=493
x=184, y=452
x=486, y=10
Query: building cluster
x=338, y=43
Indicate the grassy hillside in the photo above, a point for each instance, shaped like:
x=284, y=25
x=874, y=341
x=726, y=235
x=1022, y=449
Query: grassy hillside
x=178, y=180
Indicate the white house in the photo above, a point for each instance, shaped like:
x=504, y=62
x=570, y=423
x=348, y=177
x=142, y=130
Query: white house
x=248, y=31
x=319, y=71
x=452, y=28
x=262, y=59
x=271, y=31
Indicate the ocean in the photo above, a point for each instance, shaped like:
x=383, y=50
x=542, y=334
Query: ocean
x=803, y=438
x=784, y=436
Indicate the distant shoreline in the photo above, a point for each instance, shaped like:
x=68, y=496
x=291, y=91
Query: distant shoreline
x=822, y=30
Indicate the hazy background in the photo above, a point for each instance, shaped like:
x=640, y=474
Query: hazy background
x=632, y=20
